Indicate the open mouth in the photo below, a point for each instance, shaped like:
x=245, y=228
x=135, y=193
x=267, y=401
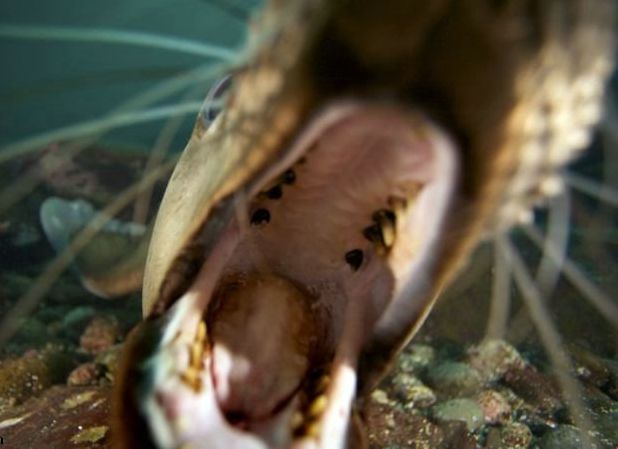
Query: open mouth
x=337, y=242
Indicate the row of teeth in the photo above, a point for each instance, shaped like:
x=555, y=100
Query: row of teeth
x=191, y=376
x=382, y=232
x=275, y=190
x=305, y=421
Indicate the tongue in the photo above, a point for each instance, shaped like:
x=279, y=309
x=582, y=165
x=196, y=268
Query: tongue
x=262, y=334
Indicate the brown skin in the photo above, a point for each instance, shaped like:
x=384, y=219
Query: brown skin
x=480, y=68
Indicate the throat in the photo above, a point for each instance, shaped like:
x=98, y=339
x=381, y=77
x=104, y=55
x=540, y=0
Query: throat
x=315, y=254
x=263, y=338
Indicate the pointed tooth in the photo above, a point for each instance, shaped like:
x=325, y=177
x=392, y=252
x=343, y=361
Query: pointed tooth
x=201, y=332
x=388, y=232
x=296, y=421
x=318, y=406
x=322, y=383
x=197, y=351
x=191, y=378
x=313, y=429
x=384, y=215
x=372, y=233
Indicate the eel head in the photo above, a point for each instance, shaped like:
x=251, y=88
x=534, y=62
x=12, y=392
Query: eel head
x=364, y=150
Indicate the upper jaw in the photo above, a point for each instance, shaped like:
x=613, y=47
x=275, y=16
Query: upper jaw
x=346, y=307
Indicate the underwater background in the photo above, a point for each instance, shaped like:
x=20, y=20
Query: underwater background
x=450, y=389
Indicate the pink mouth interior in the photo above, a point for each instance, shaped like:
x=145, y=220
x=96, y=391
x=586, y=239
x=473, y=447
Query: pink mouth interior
x=298, y=285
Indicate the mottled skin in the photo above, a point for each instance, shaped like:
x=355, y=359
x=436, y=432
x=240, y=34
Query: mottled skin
x=517, y=83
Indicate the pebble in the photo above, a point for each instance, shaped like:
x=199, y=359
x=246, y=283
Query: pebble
x=454, y=379
x=100, y=335
x=510, y=436
x=589, y=367
x=84, y=374
x=32, y=373
x=108, y=361
x=410, y=391
x=612, y=386
x=535, y=388
x=416, y=357
x=496, y=409
x=380, y=397
x=563, y=437
x=464, y=409
x=493, y=358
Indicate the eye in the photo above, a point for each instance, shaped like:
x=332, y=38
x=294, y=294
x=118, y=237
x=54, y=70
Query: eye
x=215, y=99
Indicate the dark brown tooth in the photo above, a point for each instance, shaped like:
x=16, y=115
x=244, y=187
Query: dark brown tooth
x=297, y=421
x=288, y=177
x=317, y=407
x=354, y=258
x=260, y=217
x=274, y=193
x=384, y=220
x=373, y=233
x=382, y=215
x=322, y=383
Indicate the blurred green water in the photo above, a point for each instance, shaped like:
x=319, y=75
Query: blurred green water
x=50, y=84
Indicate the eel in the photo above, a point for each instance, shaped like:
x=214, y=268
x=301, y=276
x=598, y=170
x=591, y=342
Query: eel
x=363, y=150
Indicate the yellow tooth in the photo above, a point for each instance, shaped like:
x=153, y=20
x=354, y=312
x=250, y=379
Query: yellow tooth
x=322, y=383
x=191, y=378
x=313, y=429
x=317, y=406
x=197, y=350
x=201, y=332
x=388, y=232
x=296, y=421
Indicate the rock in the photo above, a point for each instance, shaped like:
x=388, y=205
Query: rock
x=454, y=379
x=612, y=386
x=534, y=388
x=380, y=397
x=493, y=358
x=100, y=335
x=563, y=437
x=589, y=367
x=416, y=357
x=391, y=427
x=84, y=374
x=108, y=361
x=511, y=436
x=465, y=410
x=496, y=408
x=607, y=427
x=32, y=373
x=457, y=436
x=410, y=391
x=63, y=417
